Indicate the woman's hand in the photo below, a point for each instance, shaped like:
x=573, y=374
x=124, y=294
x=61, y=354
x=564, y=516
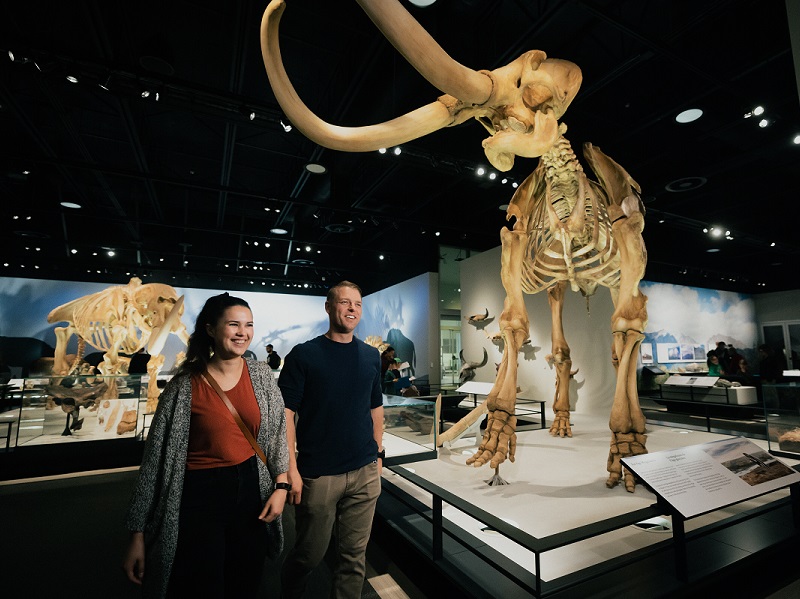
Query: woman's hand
x=274, y=506
x=133, y=564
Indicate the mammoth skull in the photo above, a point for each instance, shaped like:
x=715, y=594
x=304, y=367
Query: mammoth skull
x=519, y=104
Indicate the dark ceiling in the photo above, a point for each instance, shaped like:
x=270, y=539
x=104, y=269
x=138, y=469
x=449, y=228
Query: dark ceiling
x=185, y=188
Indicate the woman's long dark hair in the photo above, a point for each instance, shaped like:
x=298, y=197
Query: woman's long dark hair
x=201, y=344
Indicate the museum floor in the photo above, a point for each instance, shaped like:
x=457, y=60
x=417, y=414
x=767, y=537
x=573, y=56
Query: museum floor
x=63, y=536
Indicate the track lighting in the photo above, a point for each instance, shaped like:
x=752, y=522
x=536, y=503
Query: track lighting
x=18, y=58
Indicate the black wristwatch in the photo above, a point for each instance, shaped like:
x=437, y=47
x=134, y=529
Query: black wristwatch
x=285, y=486
x=382, y=454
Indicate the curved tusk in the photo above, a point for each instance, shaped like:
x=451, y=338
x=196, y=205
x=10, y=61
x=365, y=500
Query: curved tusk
x=425, y=55
x=412, y=125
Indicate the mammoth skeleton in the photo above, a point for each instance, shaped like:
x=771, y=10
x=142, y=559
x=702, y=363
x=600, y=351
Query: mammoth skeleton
x=122, y=319
x=567, y=230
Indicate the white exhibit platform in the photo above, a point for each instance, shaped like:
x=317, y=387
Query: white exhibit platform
x=556, y=485
x=702, y=388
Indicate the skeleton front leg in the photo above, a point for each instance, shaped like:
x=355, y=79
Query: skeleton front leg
x=154, y=366
x=60, y=364
x=500, y=438
x=628, y=322
x=560, y=355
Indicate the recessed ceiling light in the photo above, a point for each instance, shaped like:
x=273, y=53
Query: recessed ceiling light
x=685, y=184
x=278, y=231
x=687, y=116
x=72, y=79
x=712, y=250
x=317, y=169
x=796, y=139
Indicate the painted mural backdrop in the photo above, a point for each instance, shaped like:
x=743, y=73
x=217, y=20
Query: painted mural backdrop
x=686, y=322
x=399, y=315
x=280, y=319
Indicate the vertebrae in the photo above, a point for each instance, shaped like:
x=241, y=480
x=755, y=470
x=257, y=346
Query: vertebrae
x=570, y=231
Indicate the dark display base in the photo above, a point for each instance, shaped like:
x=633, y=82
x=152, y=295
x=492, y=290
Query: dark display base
x=65, y=458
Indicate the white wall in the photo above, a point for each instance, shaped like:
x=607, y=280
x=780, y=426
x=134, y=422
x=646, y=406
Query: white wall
x=588, y=334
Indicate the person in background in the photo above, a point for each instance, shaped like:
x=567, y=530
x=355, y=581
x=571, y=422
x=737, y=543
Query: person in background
x=273, y=359
x=714, y=367
x=743, y=375
x=387, y=358
x=770, y=366
x=198, y=513
x=332, y=385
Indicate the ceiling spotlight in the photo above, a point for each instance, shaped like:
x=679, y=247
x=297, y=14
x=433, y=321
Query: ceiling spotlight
x=758, y=110
x=380, y=257
x=317, y=169
x=73, y=251
x=688, y=116
x=796, y=140
x=492, y=176
x=278, y=231
x=146, y=93
x=503, y=180
x=72, y=79
x=286, y=127
x=72, y=205
x=515, y=185
x=17, y=58
x=397, y=151
x=763, y=123
x=111, y=253
x=381, y=150
x=480, y=171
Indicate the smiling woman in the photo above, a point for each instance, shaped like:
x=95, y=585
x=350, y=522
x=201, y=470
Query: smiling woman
x=200, y=480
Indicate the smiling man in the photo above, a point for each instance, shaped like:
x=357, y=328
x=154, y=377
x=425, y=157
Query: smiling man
x=332, y=386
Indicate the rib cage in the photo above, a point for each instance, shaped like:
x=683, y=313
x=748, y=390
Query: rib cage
x=586, y=258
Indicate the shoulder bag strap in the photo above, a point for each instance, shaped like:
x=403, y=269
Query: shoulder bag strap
x=245, y=431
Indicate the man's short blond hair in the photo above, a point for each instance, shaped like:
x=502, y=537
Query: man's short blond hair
x=332, y=290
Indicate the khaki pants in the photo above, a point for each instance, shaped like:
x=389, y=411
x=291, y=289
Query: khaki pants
x=342, y=505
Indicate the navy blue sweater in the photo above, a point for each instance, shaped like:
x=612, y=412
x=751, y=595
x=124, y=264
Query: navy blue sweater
x=332, y=387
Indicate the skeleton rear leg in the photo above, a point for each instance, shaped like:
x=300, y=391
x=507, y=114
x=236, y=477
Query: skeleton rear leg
x=560, y=355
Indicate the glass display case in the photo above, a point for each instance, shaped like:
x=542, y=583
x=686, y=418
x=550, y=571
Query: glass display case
x=782, y=414
x=410, y=428
x=59, y=409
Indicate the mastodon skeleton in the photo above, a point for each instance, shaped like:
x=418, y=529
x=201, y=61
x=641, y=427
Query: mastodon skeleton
x=122, y=319
x=566, y=230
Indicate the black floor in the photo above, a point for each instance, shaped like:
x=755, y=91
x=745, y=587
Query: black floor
x=64, y=537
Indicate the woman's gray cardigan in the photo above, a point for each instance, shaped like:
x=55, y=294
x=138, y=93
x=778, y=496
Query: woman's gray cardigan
x=157, y=497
